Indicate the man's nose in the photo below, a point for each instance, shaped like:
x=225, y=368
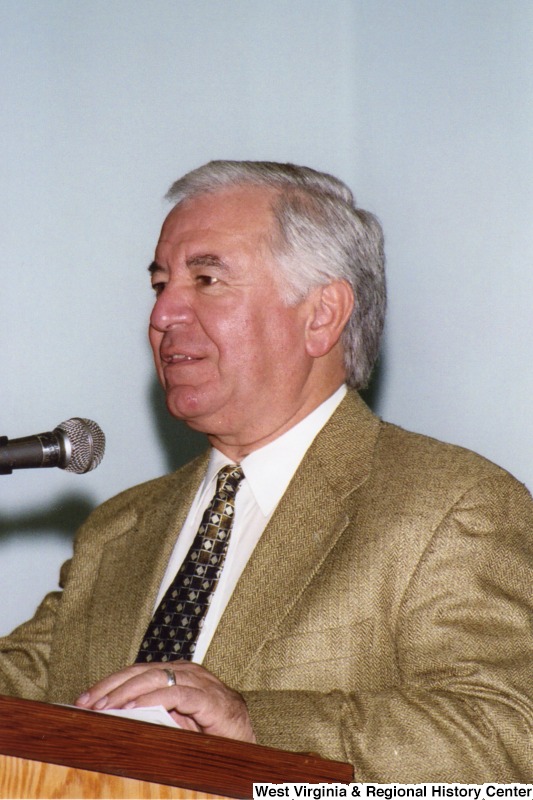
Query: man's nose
x=173, y=306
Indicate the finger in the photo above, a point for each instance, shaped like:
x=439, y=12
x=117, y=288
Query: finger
x=108, y=684
x=103, y=687
x=191, y=707
x=188, y=671
x=170, y=697
x=187, y=723
x=122, y=687
x=212, y=707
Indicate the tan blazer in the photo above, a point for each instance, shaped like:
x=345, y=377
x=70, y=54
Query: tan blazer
x=384, y=618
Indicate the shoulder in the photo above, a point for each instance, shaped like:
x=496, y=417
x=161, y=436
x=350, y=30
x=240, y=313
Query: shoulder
x=406, y=469
x=416, y=453
x=429, y=474
x=418, y=457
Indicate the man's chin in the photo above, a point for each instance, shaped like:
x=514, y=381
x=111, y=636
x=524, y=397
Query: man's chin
x=191, y=409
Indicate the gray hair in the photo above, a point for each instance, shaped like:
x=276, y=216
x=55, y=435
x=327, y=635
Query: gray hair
x=321, y=236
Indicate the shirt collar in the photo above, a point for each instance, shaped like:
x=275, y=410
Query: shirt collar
x=268, y=470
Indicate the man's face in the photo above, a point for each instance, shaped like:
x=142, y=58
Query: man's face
x=229, y=352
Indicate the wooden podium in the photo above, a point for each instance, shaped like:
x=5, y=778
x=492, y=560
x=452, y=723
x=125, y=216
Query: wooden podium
x=51, y=751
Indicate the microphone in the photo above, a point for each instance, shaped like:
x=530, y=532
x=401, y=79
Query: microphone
x=76, y=445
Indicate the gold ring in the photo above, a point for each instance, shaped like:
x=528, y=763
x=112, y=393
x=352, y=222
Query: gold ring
x=171, y=677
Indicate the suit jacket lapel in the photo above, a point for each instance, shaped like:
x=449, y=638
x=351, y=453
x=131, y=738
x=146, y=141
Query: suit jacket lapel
x=311, y=515
x=139, y=554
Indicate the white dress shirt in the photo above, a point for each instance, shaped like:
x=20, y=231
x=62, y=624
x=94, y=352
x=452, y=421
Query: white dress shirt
x=267, y=474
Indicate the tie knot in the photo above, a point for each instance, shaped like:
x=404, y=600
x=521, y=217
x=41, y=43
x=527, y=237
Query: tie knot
x=228, y=479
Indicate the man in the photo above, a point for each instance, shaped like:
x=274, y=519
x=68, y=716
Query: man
x=374, y=601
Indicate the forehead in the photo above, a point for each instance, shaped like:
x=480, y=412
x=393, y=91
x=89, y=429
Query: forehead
x=241, y=216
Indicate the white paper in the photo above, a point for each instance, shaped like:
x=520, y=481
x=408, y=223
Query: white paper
x=158, y=715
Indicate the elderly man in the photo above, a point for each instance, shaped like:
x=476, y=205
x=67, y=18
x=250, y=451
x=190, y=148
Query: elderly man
x=320, y=580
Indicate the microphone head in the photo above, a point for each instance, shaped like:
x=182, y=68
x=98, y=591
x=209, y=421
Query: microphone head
x=84, y=442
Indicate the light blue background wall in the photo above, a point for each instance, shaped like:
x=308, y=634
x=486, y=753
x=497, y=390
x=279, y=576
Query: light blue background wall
x=424, y=107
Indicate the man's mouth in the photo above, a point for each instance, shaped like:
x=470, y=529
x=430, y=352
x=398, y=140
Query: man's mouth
x=177, y=358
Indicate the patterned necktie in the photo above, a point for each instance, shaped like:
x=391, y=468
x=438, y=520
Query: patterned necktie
x=176, y=624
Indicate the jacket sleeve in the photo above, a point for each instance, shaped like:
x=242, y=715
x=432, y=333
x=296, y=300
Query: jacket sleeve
x=462, y=706
x=25, y=653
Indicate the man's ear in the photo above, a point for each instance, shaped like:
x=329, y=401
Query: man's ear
x=331, y=306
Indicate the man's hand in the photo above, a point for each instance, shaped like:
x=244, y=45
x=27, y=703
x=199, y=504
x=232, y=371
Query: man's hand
x=198, y=701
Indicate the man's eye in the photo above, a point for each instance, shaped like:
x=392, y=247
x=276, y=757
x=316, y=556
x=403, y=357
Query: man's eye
x=158, y=287
x=206, y=280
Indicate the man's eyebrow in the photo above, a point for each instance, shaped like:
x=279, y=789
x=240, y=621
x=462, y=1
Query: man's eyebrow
x=206, y=260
